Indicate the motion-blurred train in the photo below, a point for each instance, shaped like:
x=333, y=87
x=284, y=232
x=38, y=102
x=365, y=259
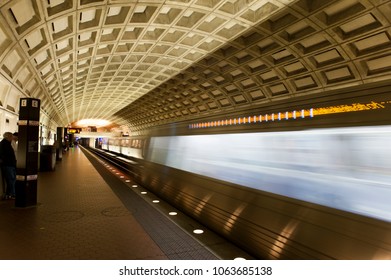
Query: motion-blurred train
x=308, y=179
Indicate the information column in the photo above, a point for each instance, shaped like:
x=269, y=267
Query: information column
x=27, y=153
x=59, y=140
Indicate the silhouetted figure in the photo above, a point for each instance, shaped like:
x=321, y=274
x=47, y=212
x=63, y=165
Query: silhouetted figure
x=8, y=164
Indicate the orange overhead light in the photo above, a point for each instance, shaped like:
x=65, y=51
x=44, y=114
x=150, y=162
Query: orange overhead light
x=295, y=114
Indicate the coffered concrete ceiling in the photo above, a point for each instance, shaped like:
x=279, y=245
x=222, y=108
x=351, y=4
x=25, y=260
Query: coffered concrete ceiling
x=146, y=63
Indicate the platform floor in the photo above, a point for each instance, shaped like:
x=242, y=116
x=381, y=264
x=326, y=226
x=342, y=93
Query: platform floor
x=89, y=211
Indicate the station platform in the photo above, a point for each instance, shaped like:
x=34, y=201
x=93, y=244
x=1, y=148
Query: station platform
x=88, y=210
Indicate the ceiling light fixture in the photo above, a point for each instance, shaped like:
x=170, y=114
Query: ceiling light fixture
x=92, y=122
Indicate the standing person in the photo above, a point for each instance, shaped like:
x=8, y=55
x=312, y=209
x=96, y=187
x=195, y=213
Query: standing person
x=8, y=159
x=14, y=142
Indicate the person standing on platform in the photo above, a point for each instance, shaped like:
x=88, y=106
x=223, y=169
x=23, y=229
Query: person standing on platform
x=8, y=164
x=14, y=142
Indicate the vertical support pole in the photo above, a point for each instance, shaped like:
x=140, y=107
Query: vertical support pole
x=66, y=139
x=60, y=136
x=27, y=154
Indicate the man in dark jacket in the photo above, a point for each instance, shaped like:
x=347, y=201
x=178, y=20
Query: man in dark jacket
x=8, y=164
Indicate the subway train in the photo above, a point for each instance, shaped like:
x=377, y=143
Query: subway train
x=308, y=179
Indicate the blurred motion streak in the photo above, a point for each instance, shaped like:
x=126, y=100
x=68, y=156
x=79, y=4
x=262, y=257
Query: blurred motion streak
x=344, y=168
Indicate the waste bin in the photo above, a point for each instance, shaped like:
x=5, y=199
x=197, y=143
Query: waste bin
x=47, y=159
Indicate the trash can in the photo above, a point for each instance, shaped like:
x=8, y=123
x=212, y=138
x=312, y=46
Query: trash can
x=47, y=159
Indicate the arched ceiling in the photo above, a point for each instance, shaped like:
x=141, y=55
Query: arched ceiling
x=145, y=63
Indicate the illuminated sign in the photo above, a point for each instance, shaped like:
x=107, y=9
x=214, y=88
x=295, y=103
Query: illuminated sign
x=296, y=114
x=74, y=130
x=355, y=107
